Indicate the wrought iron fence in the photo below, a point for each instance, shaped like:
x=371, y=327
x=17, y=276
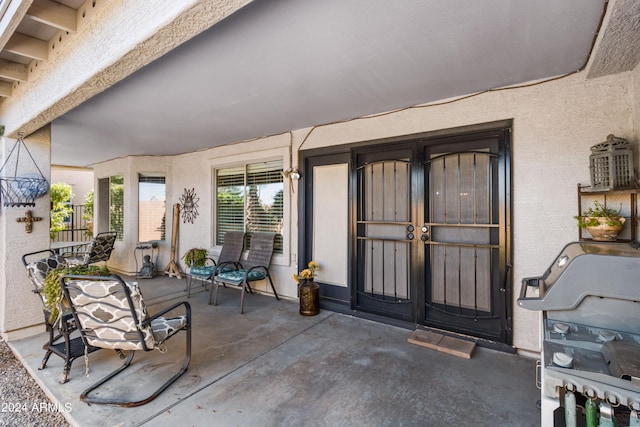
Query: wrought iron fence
x=78, y=229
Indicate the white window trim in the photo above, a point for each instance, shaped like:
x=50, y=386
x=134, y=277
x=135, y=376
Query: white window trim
x=248, y=158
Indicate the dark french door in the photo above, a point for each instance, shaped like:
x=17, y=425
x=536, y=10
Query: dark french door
x=385, y=240
x=431, y=240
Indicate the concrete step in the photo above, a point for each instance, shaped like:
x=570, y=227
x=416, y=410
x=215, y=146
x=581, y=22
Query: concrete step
x=443, y=343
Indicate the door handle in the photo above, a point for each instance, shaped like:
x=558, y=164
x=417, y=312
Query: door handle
x=425, y=233
x=410, y=234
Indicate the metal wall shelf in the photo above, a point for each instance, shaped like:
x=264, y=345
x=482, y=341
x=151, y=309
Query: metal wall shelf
x=586, y=191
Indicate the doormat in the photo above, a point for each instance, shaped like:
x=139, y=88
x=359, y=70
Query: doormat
x=442, y=343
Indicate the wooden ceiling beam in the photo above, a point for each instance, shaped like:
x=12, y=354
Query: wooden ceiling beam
x=54, y=15
x=13, y=71
x=30, y=47
x=5, y=89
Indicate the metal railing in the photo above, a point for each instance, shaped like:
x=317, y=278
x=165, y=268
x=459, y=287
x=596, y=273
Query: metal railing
x=77, y=227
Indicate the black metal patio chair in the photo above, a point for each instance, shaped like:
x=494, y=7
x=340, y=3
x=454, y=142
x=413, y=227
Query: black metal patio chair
x=99, y=249
x=229, y=254
x=112, y=314
x=60, y=341
x=254, y=268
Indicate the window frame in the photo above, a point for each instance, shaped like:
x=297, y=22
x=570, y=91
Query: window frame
x=151, y=175
x=120, y=233
x=278, y=154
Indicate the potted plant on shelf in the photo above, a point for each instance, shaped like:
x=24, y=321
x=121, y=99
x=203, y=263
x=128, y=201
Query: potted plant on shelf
x=604, y=224
x=52, y=291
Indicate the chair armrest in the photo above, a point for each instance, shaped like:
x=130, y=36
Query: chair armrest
x=235, y=265
x=66, y=254
x=50, y=252
x=266, y=269
x=187, y=307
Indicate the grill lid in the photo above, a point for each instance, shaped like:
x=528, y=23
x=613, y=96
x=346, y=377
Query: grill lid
x=584, y=269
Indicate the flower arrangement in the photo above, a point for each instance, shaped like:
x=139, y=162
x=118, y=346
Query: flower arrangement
x=308, y=273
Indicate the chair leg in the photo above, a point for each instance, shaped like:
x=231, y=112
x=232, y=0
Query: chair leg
x=273, y=287
x=213, y=292
x=45, y=359
x=188, y=285
x=243, y=292
x=84, y=396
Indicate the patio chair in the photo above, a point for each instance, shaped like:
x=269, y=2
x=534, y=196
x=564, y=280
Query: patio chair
x=112, y=314
x=99, y=249
x=60, y=342
x=229, y=255
x=254, y=268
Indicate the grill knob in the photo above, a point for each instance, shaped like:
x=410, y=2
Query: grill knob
x=560, y=328
x=606, y=336
x=562, y=359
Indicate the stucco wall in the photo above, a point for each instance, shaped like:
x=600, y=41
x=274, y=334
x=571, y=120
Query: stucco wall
x=636, y=100
x=19, y=307
x=554, y=125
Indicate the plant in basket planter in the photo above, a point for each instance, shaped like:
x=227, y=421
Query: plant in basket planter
x=52, y=290
x=308, y=289
x=601, y=222
x=195, y=257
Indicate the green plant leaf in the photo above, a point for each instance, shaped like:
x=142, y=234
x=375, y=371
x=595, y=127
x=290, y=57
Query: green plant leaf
x=52, y=289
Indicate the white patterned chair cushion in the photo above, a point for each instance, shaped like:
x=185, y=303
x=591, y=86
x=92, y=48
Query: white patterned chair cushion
x=37, y=271
x=106, y=317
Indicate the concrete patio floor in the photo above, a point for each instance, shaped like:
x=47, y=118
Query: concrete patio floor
x=273, y=367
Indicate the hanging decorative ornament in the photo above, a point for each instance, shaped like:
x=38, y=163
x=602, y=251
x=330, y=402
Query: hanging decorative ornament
x=20, y=185
x=189, y=205
x=591, y=411
x=570, y=415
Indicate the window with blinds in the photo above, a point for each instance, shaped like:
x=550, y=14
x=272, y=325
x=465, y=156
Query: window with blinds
x=250, y=198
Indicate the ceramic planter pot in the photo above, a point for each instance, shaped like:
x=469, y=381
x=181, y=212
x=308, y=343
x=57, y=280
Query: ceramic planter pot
x=605, y=232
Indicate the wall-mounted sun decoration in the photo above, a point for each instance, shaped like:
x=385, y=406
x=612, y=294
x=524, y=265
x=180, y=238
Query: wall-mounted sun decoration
x=189, y=208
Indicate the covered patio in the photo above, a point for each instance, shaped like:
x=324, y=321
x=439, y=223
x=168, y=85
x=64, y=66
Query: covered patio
x=272, y=366
x=306, y=116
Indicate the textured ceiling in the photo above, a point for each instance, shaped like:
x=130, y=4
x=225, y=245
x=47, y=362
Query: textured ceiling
x=275, y=66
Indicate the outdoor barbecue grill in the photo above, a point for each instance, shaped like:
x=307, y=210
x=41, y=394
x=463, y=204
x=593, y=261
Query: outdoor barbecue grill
x=590, y=361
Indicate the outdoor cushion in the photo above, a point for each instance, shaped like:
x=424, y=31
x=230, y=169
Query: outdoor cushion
x=206, y=271
x=164, y=327
x=237, y=276
x=111, y=320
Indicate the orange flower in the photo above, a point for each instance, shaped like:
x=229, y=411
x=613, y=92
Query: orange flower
x=307, y=273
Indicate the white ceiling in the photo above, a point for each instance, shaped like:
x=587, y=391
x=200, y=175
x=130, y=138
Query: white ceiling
x=281, y=65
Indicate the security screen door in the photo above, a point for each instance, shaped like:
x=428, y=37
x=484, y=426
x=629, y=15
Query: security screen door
x=431, y=239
